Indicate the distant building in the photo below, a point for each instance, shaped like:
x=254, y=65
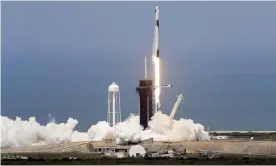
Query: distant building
x=220, y=137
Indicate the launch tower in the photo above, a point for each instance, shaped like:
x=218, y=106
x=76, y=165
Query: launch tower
x=145, y=92
x=149, y=89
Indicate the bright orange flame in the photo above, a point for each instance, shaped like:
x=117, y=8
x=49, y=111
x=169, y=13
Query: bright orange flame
x=157, y=82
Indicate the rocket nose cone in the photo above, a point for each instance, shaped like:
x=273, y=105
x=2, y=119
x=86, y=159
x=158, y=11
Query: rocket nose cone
x=156, y=8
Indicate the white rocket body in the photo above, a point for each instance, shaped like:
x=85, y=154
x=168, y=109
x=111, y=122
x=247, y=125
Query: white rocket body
x=155, y=49
x=156, y=62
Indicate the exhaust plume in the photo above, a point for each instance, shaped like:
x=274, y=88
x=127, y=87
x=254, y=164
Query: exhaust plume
x=18, y=132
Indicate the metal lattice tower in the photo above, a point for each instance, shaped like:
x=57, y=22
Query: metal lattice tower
x=114, y=107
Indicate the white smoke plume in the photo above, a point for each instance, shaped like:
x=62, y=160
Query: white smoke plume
x=18, y=132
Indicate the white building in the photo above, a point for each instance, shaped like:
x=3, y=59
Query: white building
x=220, y=137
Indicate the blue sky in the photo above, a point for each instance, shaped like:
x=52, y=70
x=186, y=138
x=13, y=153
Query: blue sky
x=58, y=58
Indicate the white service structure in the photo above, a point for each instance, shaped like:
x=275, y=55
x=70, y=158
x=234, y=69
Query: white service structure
x=114, y=107
x=176, y=105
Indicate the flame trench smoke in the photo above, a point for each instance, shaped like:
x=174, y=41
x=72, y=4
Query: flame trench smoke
x=18, y=132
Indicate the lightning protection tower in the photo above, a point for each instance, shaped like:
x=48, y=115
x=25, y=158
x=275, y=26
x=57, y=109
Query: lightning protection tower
x=114, y=108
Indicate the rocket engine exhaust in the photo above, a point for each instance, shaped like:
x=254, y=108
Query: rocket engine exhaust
x=18, y=132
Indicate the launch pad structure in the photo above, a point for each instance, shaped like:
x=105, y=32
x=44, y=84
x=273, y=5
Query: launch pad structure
x=149, y=89
x=145, y=92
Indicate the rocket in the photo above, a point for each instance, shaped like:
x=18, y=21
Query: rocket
x=155, y=50
x=156, y=62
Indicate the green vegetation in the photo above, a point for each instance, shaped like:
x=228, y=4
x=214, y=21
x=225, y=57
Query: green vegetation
x=99, y=159
x=139, y=161
x=51, y=155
